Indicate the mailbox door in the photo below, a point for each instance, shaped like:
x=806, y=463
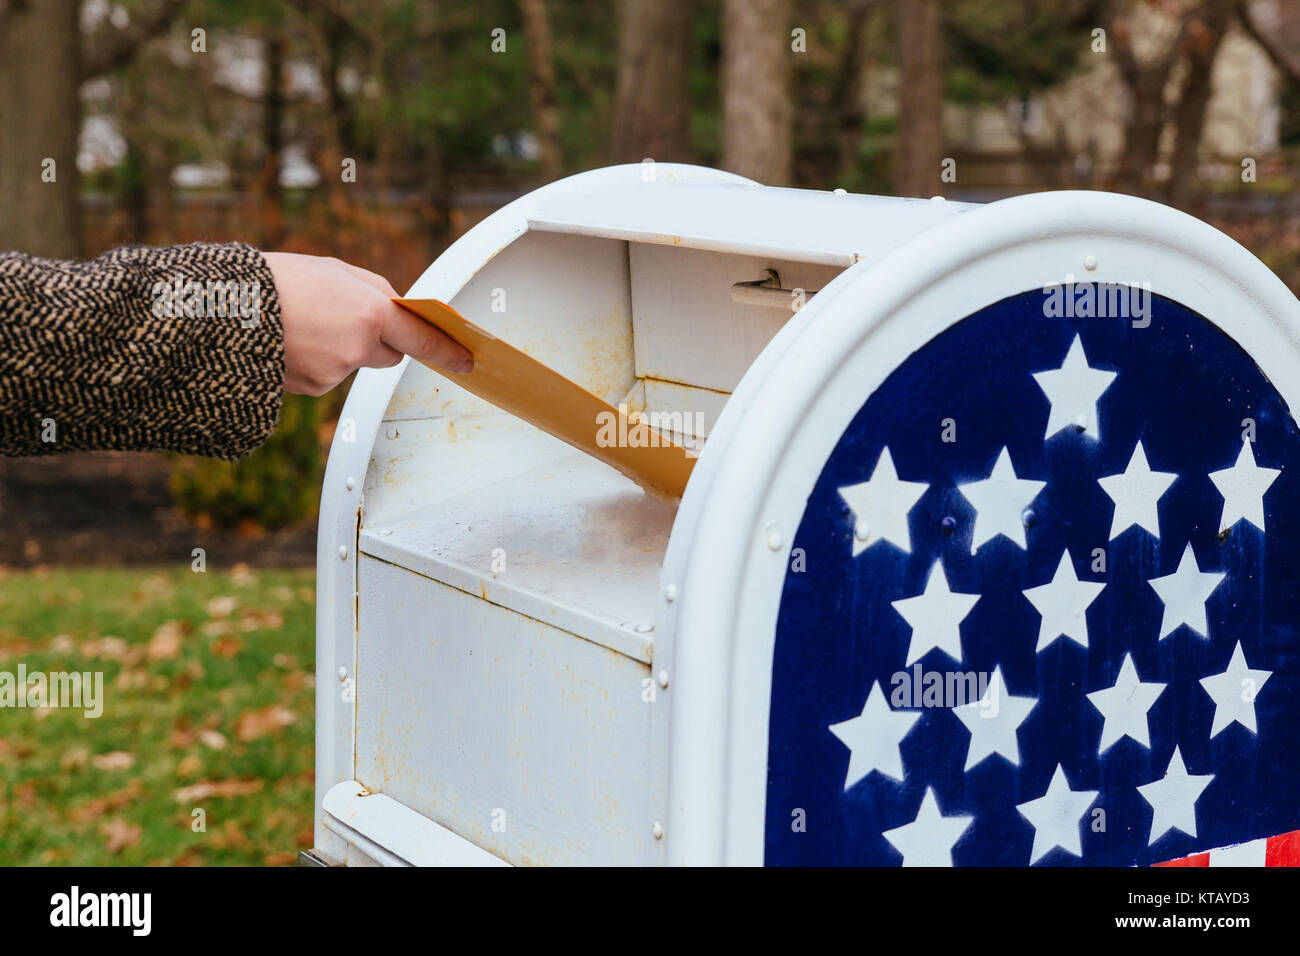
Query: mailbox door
x=1020, y=587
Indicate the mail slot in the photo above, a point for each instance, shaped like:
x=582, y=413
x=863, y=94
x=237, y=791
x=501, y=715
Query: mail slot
x=988, y=509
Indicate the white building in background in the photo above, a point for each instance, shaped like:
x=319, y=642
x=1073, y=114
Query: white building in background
x=1085, y=115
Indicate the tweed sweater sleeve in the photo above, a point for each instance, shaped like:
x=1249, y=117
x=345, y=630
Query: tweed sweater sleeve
x=177, y=348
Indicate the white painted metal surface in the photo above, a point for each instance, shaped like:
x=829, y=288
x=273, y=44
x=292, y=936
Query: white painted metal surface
x=372, y=823
x=835, y=229
x=603, y=680
x=508, y=730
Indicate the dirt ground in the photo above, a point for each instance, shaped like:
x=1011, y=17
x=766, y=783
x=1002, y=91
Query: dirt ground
x=113, y=509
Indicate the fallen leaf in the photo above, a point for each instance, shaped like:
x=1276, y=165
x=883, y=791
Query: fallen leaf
x=108, y=647
x=261, y=620
x=74, y=759
x=166, y=641
x=217, y=788
x=113, y=760
x=108, y=804
x=258, y=723
x=120, y=834
x=227, y=646
x=222, y=606
x=189, y=766
x=213, y=739
x=231, y=835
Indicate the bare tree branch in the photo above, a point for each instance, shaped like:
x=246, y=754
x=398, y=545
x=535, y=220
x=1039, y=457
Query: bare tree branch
x=107, y=52
x=1285, y=56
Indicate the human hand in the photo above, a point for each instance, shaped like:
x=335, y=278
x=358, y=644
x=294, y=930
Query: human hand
x=338, y=318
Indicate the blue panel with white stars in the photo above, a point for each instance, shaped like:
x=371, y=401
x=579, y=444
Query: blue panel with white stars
x=1102, y=547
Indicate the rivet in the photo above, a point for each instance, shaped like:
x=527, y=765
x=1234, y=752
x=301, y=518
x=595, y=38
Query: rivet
x=840, y=191
x=392, y=431
x=352, y=483
x=948, y=523
x=670, y=593
x=774, y=539
x=1090, y=262
x=657, y=829
x=861, y=531
x=663, y=678
x=644, y=628
x=1027, y=517
x=343, y=552
x=937, y=199
x=343, y=673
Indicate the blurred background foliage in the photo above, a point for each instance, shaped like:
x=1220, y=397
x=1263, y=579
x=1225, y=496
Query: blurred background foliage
x=277, y=485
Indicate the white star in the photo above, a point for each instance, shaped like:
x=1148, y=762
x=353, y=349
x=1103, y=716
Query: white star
x=1173, y=798
x=881, y=505
x=1135, y=494
x=1234, y=693
x=993, y=721
x=1184, y=593
x=1000, y=501
x=928, y=840
x=1242, y=487
x=873, y=738
x=1124, y=707
x=1056, y=816
x=935, y=615
x=1062, y=604
x=1073, y=390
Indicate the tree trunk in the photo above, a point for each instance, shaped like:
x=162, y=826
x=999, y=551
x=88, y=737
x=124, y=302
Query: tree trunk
x=756, y=89
x=541, y=87
x=848, y=92
x=1142, y=129
x=919, y=153
x=40, y=119
x=329, y=36
x=654, y=45
x=1194, y=99
x=273, y=136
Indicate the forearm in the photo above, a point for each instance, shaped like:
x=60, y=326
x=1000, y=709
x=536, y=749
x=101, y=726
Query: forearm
x=177, y=348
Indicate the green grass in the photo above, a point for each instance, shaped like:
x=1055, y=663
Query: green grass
x=207, y=685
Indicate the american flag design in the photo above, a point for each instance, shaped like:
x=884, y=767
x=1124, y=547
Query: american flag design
x=1097, y=526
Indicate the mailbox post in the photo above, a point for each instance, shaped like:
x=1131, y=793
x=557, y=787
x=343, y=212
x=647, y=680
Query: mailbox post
x=986, y=558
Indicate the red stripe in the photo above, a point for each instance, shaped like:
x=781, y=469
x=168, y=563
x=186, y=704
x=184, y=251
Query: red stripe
x=1283, y=850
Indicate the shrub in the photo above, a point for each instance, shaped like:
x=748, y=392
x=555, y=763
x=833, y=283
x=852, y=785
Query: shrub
x=276, y=485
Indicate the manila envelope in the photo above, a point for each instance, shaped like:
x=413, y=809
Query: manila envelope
x=541, y=396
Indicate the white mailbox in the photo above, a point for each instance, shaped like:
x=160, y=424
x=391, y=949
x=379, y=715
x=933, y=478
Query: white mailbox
x=989, y=528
